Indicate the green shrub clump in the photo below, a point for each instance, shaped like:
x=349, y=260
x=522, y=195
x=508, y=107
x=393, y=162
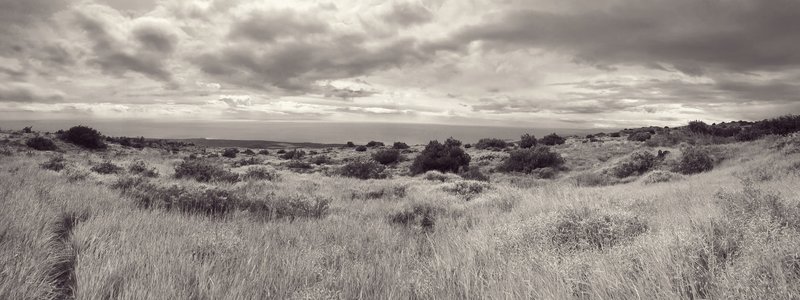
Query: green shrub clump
x=294, y=154
x=361, y=148
x=490, y=143
x=373, y=144
x=527, y=141
x=447, y=157
x=640, y=136
x=637, y=163
x=400, y=146
x=230, y=152
x=85, y=137
x=204, y=171
x=363, y=168
x=387, y=156
x=552, y=140
x=695, y=160
x=41, y=144
x=530, y=159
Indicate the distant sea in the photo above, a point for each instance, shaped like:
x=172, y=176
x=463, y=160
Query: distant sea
x=315, y=132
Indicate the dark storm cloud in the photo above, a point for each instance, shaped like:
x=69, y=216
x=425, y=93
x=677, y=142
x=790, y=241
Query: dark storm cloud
x=24, y=92
x=155, y=44
x=266, y=26
x=691, y=36
x=294, y=65
x=407, y=14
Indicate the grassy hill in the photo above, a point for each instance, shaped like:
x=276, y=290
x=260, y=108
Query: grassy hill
x=697, y=216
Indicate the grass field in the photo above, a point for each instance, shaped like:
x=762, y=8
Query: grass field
x=307, y=233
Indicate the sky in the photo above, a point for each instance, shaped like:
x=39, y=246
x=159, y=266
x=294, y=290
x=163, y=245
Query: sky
x=557, y=64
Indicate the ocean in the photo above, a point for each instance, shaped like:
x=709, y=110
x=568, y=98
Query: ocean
x=315, y=132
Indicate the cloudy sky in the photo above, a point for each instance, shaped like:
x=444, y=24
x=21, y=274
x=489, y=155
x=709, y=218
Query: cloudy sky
x=564, y=63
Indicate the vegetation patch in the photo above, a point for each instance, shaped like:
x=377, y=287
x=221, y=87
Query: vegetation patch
x=106, y=167
x=552, y=140
x=491, y=143
x=467, y=189
x=386, y=156
x=85, y=137
x=581, y=229
x=637, y=163
x=693, y=161
x=41, y=144
x=204, y=171
x=658, y=176
x=55, y=163
x=528, y=160
x=447, y=157
x=140, y=167
x=527, y=141
x=363, y=168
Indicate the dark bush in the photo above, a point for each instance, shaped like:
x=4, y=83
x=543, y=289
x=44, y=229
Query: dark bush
x=467, y=146
x=373, y=144
x=695, y=160
x=447, y=157
x=781, y=125
x=263, y=152
x=586, y=229
x=85, y=137
x=749, y=134
x=467, y=189
x=248, y=152
x=420, y=214
x=294, y=154
x=281, y=151
x=106, y=168
x=361, y=148
x=321, y=160
x=363, y=168
x=298, y=165
x=490, y=143
x=637, y=163
x=27, y=129
x=640, y=136
x=386, y=156
x=552, y=139
x=350, y=144
x=261, y=173
x=699, y=127
x=400, y=146
x=56, y=163
x=474, y=173
x=527, y=160
x=614, y=134
x=230, y=152
x=139, y=167
x=204, y=171
x=247, y=162
x=527, y=141
x=41, y=144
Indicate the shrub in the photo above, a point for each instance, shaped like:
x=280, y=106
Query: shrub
x=294, y=154
x=247, y=162
x=614, y=134
x=698, y=127
x=400, y=146
x=695, y=160
x=640, y=136
x=85, y=137
x=281, y=151
x=661, y=176
x=587, y=229
x=419, y=214
x=298, y=165
x=261, y=173
x=230, y=152
x=473, y=174
x=350, y=144
x=248, y=152
x=27, y=129
x=637, y=163
x=490, y=143
x=363, y=168
x=373, y=144
x=527, y=160
x=288, y=206
x=439, y=176
x=139, y=167
x=447, y=157
x=321, y=160
x=387, y=156
x=467, y=189
x=56, y=163
x=204, y=171
x=106, y=167
x=361, y=148
x=41, y=144
x=263, y=152
x=467, y=146
x=552, y=139
x=527, y=141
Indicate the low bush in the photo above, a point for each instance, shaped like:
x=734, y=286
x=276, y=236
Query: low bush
x=247, y=162
x=363, y=168
x=640, y=136
x=350, y=144
x=699, y=127
x=614, y=134
x=473, y=173
x=439, y=176
x=287, y=206
x=422, y=215
x=637, y=163
x=580, y=229
x=263, y=152
x=55, y=163
x=85, y=137
x=41, y=144
x=281, y=151
x=386, y=156
x=139, y=167
x=467, y=189
x=204, y=171
x=230, y=152
x=552, y=140
x=400, y=146
x=294, y=154
x=248, y=152
x=298, y=165
x=491, y=143
x=373, y=144
x=693, y=161
x=106, y=167
x=527, y=141
x=447, y=157
x=527, y=160
x=361, y=148
x=321, y=160
x=661, y=176
x=261, y=173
